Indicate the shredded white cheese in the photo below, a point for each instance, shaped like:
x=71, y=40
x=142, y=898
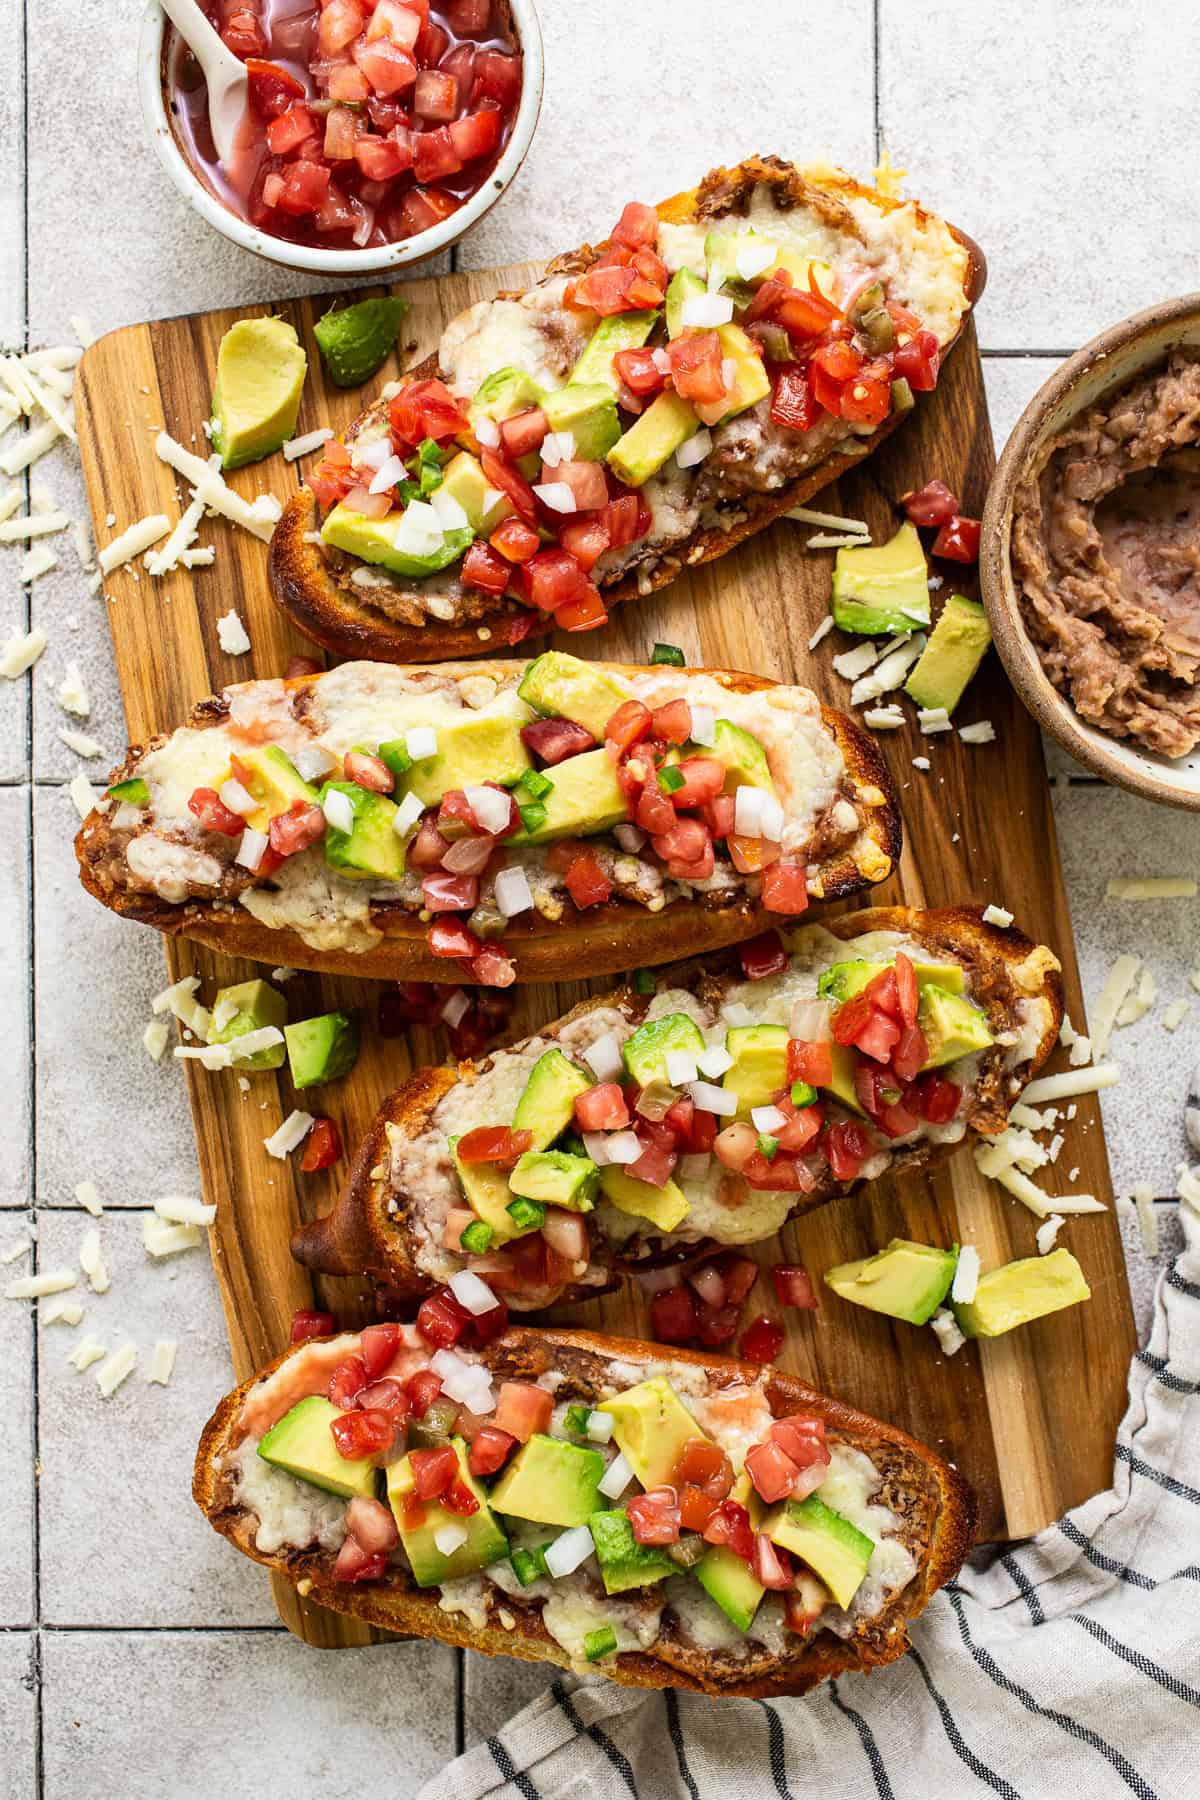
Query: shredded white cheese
x=889, y=672
x=182, y=537
x=20, y=653
x=37, y=562
x=1069, y=1085
x=35, y=1287
x=290, y=1135
x=853, y=663
x=88, y=1196
x=966, y=1275
x=82, y=793
x=180, y=1209
x=232, y=635
x=162, y=1360
x=303, y=446
x=997, y=915
x=90, y=1351
x=91, y=1261
x=20, y=1247
x=60, y=1312
x=161, y=1239
x=80, y=743
x=115, y=1369
x=945, y=1327
x=831, y=521
x=1135, y=1006
x=1143, y=1200
x=72, y=692
x=833, y=540
x=154, y=1038
x=883, y=718
x=132, y=541
x=1157, y=887
x=933, y=719
x=1119, y=981
x=1047, y=1233
x=1174, y=1015
x=982, y=733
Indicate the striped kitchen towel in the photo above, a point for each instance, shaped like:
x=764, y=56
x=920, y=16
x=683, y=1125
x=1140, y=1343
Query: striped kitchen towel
x=1069, y=1665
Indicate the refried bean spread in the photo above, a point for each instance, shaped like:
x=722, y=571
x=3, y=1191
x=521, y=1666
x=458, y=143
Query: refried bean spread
x=1106, y=558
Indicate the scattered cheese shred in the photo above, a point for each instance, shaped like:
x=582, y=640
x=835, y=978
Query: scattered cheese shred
x=179, y=1209
x=304, y=446
x=20, y=653
x=162, y=1360
x=883, y=718
x=1136, y=1005
x=37, y=562
x=1174, y=1014
x=1047, y=1233
x=1157, y=887
x=35, y=1287
x=1120, y=980
x=982, y=733
x=72, y=692
x=946, y=1330
x=1068, y=1085
x=933, y=719
x=81, y=792
x=80, y=743
x=154, y=1038
x=132, y=541
x=33, y=525
x=1147, y=1218
x=115, y=1369
x=161, y=1239
x=966, y=1275
x=60, y=1312
x=30, y=447
x=834, y=540
x=82, y=329
x=224, y=1056
x=182, y=537
x=290, y=1135
x=853, y=663
x=831, y=521
x=21, y=1247
x=889, y=672
x=997, y=915
x=90, y=1351
x=91, y=1261
x=88, y=1196
x=232, y=634
x=1042, y=1205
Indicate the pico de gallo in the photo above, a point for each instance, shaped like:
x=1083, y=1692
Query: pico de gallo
x=612, y=1502
x=583, y=432
x=480, y=804
x=369, y=120
x=658, y=1122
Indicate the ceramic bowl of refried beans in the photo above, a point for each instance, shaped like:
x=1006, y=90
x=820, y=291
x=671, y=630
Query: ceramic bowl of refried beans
x=1090, y=562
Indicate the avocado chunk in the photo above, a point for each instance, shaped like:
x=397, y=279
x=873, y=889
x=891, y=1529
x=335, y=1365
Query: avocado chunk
x=759, y=1068
x=957, y=645
x=841, y=981
x=723, y=248
x=588, y=410
x=684, y=285
x=488, y=1194
x=472, y=748
x=258, y=1005
x=374, y=541
x=563, y=687
x=666, y=1206
x=952, y=1027
x=666, y=423
x=751, y=383
x=302, y=1444
x=256, y=400
x=645, y=1052
x=585, y=798
x=624, y=1563
x=464, y=480
x=1018, y=1292
x=651, y=1425
x=356, y=341
x=547, y=1103
x=842, y=1084
x=272, y=778
x=370, y=848
x=419, y=1522
x=744, y=757
x=906, y=1281
x=551, y=1482
x=620, y=331
x=882, y=587
x=555, y=1178
x=803, y=270
x=503, y=393
x=726, y=1579
x=322, y=1049
x=832, y=1547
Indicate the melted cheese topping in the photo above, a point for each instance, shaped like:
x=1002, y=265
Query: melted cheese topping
x=534, y=334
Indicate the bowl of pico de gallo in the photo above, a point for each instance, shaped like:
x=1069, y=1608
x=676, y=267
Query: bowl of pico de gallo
x=378, y=132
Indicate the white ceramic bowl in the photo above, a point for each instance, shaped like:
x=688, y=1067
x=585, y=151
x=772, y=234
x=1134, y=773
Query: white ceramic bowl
x=379, y=261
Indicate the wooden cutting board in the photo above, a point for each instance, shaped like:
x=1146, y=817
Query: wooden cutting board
x=1029, y=1418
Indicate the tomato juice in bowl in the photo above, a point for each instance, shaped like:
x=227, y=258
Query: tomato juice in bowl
x=378, y=131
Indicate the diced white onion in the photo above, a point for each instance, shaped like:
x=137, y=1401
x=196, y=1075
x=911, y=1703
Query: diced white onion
x=389, y=472
x=472, y=1293
x=714, y=1062
x=421, y=742
x=468, y=1383
x=373, y=455
x=603, y=1057
x=250, y=849
x=704, y=725
x=339, y=811
x=768, y=1119
x=616, y=1478
x=492, y=498
x=735, y=1013
x=596, y=1145
x=753, y=258
x=681, y=1068
x=488, y=432
x=631, y=837
x=238, y=799
x=449, y=510
x=125, y=817
x=557, y=447
x=728, y=373
x=407, y=814
x=557, y=495
x=810, y=1021
x=712, y=1099
x=490, y=806
x=748, y=811
x=450, y=1538
x=599, y=1426
x=707, y=310
x=661, y=360
x=567, y=1552
x=694, y=1168
x=694, y=449
x=456, y=1007
x=419, y=532
x=513, y=893
x=314, y=760
x=772, y=819
x=622, y=1147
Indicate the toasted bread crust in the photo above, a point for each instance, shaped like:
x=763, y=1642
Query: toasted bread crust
x=935, y=1504
x=361, y=1236
x=327, y=612
x=607, y=940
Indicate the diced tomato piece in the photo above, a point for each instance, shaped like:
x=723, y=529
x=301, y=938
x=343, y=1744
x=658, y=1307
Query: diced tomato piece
x=793, y=1286
x=510, y=481
x=583, y=614
x=655, y=1516
x=809, y=1062
x=716, y=1325
x=348, y=83
x=672, y=722
x=703, y=779
x=426, y=409
x=491, y=968
x=696, y=1508
x=552, y=578
x=695, y=359
x=382, y=159
x=342, y=132
x=933, y=504
x=444, y=892
x=958, y=540
x=763, y=955
x=628, y=725
x=435, y=96
x=621, y=520
x=772, y=1471
x=433, y=1471
x=586, y=482
x=386, y=1397
x=441, y=1321
x=601, y=1108
x=272, y=88
x=322, y=1147
x=801, y=1437
x=608, y=289
x=353, y=1563
x=701, y=1134
x=673, y=1315
x=478, y=134
x=348, y=1381
x=639, y=371
x=523, y=433
x=911, y=1053
x=785, y=887
x=419, y=210
x=371, y=1524
x=782, y=1174
x=917, y=361
x=867, y=397
x=801, y=1130
x=489, y=1450
x=718, y=815
x=685, y=842
x=772, y=1566
x=700, y=1462
x=493, y=1144
x=497, y=77
x=802, y=1609
x=552, y=741
x=359, y=1435
x=730, y=1526
x=515, y=541
x=793, y=403
x=341, y=21
x=654, y=1166
x=879, y=1037
x=334, y=476
x=484, y=569
x=523, y=1409
x=938, y=1098
x=289, y=129
x=213, y=814
x=378, y=1345
x=637, y=226
x=311, y=1324
x=450, y=937
x=434, y=155
x=907, y=995
x=585, y=538
x=400, y=23
x=586, y=881
x=431, y=45
x=847, y=1147
x=422, y=1389
x=242, y=32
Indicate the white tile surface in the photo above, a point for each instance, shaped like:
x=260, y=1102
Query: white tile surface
x=495, y=1688
x=680, y=89
x=17, y=1717
x=163, y=1564
x=137, y=1717
x=1050, y=134
x=16, y=1448
x=105, y=1111
x=12, y=218
x=14, y=997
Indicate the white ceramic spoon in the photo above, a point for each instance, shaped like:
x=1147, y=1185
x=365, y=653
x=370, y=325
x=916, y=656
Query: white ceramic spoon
x=224, y=76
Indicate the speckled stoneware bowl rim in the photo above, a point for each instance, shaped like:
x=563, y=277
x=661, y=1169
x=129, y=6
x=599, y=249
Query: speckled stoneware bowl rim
x=378, y=262
x=1077, y=383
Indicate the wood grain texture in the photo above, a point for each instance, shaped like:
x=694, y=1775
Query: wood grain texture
x=1030, y=1419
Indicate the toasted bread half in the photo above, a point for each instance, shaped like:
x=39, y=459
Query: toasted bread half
x=934, y=1506
x=608, y=939
x=378, y=1226
x=315, y=588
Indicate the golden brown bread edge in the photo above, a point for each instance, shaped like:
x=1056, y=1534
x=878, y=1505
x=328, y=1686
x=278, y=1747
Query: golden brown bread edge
x=939, y=1513
x=607, y=940
x=325, y=612
x=360, y=1237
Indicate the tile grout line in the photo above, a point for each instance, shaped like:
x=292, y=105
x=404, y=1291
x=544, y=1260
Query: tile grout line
x=877, y=124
